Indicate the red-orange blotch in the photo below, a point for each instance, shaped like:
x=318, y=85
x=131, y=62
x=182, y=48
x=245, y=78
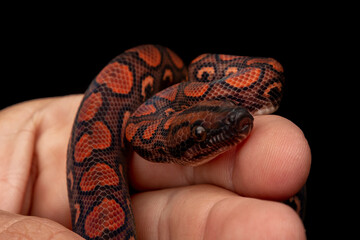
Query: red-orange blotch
x=107, y=215
x=117, y=77
x=275, y=64
x=99, y=175
x=90, y=107
x=196, y=89
x=244, y=79
x=99, y=139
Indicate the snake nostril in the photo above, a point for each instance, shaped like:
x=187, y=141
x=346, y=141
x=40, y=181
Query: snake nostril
x=231, y=118
x=245, y=125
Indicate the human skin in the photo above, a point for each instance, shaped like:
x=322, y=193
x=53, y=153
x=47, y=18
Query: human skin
x=234, y=196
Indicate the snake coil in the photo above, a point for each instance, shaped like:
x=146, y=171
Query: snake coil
x=203, y=111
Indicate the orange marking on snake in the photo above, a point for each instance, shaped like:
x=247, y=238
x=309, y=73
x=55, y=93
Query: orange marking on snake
x=150, y=130
x=99, y=139
x=244, y=79
x=145, y=110
x=116, y=76
x=231, y=70
x=209, y=70
x=169, y=93
x=225, y=57
x=99, y=219
x=150, y=54
x=70, y=176
x=131, y=130
x=90, y=107
x=196, y=89
x=275, y=64
x=78, y=210
x=168, y=122
x=175, y=58
x=199, y=58
x=99, y=175
x=127, y=114
x=83, y=148
x=271, y=86
x=169, y=111
x=168, y=75
x=148, y=81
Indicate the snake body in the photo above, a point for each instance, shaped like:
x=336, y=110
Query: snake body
x=202, y=111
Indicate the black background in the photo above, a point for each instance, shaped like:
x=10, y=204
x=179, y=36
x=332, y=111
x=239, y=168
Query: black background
x=49, y=54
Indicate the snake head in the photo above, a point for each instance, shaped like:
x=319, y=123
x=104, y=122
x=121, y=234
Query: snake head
x=205, y=130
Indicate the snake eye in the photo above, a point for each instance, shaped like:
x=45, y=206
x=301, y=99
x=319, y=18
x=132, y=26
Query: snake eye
x=199, y=133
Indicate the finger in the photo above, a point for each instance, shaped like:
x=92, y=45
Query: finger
x=208, y=212
x=34, y=138
x=49, y=195
x=13, y=226
x=273, y=163
x=17, y=140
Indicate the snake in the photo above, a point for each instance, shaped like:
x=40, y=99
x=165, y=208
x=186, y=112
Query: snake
x=146, y=100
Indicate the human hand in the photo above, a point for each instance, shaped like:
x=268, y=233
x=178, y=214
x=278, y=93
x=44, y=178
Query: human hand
x=226, y=198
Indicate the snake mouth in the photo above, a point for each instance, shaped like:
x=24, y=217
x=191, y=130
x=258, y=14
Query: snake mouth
x=231, y=130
